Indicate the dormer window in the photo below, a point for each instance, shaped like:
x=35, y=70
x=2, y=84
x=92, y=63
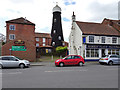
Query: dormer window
x=12, y=27
x=59, y=37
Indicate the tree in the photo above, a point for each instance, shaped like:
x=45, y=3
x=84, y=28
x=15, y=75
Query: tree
x=61, y=50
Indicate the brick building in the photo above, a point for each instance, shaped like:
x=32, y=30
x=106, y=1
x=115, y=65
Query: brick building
x=23, y=42
x=43, y=43
x=20, y=39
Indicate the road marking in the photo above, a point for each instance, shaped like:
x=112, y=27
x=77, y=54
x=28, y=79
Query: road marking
x=66, y=70
x=12, y=73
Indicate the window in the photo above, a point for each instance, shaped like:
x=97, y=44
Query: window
x=37, y=44
x=12, y=36
x=59, y=38
x=53, y=43
x=63, y=44
x=43, y=39
x=75, y=57
x=92, y=53
x=114, y=40
x=12, y=27
x=103, y=39
x=37, y=39
x=114, y=56
x=113, y=51
x=55, y=20
x=91, y=38
x=43, y=44
x=54, y=31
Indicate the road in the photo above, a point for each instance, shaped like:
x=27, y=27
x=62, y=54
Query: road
x=91, y=75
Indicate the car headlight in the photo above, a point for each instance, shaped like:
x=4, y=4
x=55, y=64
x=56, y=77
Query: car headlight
x=26, y=61
x=57, y=60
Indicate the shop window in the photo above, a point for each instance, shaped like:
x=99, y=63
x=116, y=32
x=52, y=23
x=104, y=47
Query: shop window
x=37, y=39
x=114, y=40
x=88, y=53
x=12, y=27
x=113, y=51
x=12, y=36
x=91, y=38
x=92, y=53
x=103, y=39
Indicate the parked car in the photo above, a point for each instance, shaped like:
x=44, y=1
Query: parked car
x=12, y=61
x=70, y=60
x=110, y=59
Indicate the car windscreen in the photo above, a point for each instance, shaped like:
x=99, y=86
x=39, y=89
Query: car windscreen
x=19, y=58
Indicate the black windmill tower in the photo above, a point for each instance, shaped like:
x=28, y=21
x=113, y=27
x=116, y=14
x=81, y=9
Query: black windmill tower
x=56, y=32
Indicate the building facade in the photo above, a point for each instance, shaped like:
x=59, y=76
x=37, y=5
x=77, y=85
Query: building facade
x=20, y=39
x=23, y=42
x=94, y=40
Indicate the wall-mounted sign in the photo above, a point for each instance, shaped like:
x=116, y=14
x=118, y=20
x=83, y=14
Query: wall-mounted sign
x=19, y=42
x=18, y=48
x=103, y=46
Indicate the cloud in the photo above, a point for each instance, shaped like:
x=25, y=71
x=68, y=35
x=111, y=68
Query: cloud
x=100, y=11
x=66, y=19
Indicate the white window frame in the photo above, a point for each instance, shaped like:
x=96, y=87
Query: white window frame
x=103, y=39
x=91, y=41
x=44, y=40
x=11, y=27
x=11, y=35
x=113, y=40
x=37, y=39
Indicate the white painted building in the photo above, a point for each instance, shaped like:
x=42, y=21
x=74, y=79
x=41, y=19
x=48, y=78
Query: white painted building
x=94, y=40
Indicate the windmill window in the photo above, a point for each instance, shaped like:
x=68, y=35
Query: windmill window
x=53, y=43
x=54, y=31
x=55, y=20
x=59, y=37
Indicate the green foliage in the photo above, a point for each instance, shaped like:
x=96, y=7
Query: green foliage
x=61, y=49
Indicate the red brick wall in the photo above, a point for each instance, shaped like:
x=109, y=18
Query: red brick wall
x=25, y=33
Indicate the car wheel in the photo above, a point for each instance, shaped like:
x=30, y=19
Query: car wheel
x=61, y=64
x=1, y=66
x=110, y=63
x=80, y=63
x=22, y=66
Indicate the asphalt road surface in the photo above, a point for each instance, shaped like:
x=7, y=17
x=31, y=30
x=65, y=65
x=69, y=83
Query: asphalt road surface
x=89, y=76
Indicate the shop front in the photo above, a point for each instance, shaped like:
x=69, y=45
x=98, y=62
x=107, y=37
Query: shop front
x=94, y=52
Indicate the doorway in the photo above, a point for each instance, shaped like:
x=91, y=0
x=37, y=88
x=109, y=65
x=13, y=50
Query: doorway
x=103, y=53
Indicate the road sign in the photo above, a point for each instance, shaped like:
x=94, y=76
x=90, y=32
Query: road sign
x=18, y=48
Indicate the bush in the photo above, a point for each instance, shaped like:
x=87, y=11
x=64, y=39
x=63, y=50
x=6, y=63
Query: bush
x=61, y=50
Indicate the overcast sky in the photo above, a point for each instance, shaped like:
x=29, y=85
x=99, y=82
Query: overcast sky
x=40, y=12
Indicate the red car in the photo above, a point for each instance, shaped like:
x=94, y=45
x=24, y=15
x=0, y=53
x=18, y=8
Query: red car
x=70, y=60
